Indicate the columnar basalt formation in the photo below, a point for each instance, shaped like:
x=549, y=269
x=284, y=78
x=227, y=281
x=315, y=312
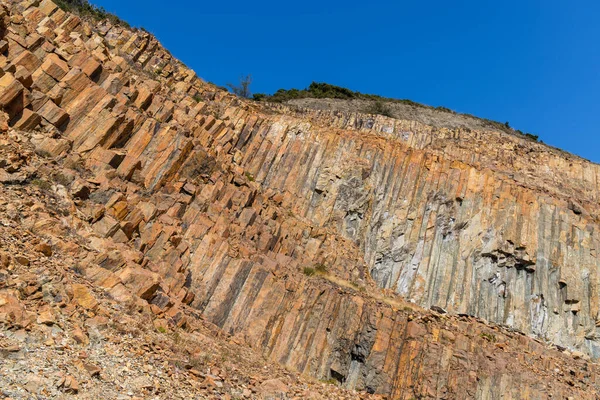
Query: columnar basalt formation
x=300, y=232
x=509, y=237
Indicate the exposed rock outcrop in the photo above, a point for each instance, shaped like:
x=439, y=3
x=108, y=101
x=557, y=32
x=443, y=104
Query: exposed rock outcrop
x=298, y=232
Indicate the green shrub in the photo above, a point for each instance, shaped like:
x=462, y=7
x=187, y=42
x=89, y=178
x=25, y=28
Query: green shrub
x=380, y=108
x=308, y=271
x=533, y=137
x=321, y=268
x=356, y=286
x=445, y=109
x=42, y=184
x=62, y=179
x=488, y=336
x=321, y=90
x=317, y=90
x=330, y=381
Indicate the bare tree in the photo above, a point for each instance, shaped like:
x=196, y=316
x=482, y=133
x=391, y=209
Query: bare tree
x=243, y=88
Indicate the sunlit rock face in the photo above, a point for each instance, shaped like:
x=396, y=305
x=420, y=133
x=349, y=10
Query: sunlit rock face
x=320, y=238
x=478, y=223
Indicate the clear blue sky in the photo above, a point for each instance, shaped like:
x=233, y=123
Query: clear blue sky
x=533, y=63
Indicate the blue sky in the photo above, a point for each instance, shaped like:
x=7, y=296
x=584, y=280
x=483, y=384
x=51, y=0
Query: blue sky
x=533, y=63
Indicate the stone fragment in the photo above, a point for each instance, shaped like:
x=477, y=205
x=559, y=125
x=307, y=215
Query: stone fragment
x=107, y=226
x=12, y=311
x=24, y=76
x=102, y=277
x=144, y=98
x=28, y=120
x=91, y=67
x=10, y=88
x=53, y=113
x=44, y=248
x=112, y=84
x=415, y=330
x=573, y=206
x=11, y=348
x=438, y=309
x=27, y=60
x=274, y=388
x=120, y=293
x=51, y=147
x=4, y=120
x=80, y=189
x=55, y=67
x=211, y=382
x=42, y=81
x=68, y=384
x=34, y=383
x=46, y=317
x=48, y=7
x=79, y=336
x=22, y=260
x=37, y=99
x=83, y=297
x=92, y=369
x=4, y=259
x=143, y=282
x=10, y=179
x=81, y=106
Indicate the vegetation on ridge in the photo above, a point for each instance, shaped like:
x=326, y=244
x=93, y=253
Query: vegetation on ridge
x=321, y=90
x=316, y=90
x=84, y=9
x=380, y=105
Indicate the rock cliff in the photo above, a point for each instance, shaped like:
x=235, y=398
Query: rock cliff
x=382, y=255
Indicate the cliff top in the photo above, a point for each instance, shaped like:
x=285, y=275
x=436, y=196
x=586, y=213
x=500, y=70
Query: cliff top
x=327, y=97
x=148, y=218
x=324, y=96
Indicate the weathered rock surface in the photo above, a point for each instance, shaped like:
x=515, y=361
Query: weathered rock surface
x=319, y=239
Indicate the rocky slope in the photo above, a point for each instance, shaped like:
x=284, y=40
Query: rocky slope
x=150, y=218
x=435, y=117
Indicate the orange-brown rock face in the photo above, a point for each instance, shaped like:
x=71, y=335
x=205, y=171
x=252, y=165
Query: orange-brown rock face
x=299, y=232
x=502, y=229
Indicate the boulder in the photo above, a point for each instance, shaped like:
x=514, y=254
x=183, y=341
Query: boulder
x=142, y=282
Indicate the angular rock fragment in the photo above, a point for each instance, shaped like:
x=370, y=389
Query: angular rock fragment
x=28, y=120
x=44, y=248
x=83, y=297
x=144, y=283
x=10, y=88
x=53, y=114
x=68, y=384
x=12, y=311
x=55, y=67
